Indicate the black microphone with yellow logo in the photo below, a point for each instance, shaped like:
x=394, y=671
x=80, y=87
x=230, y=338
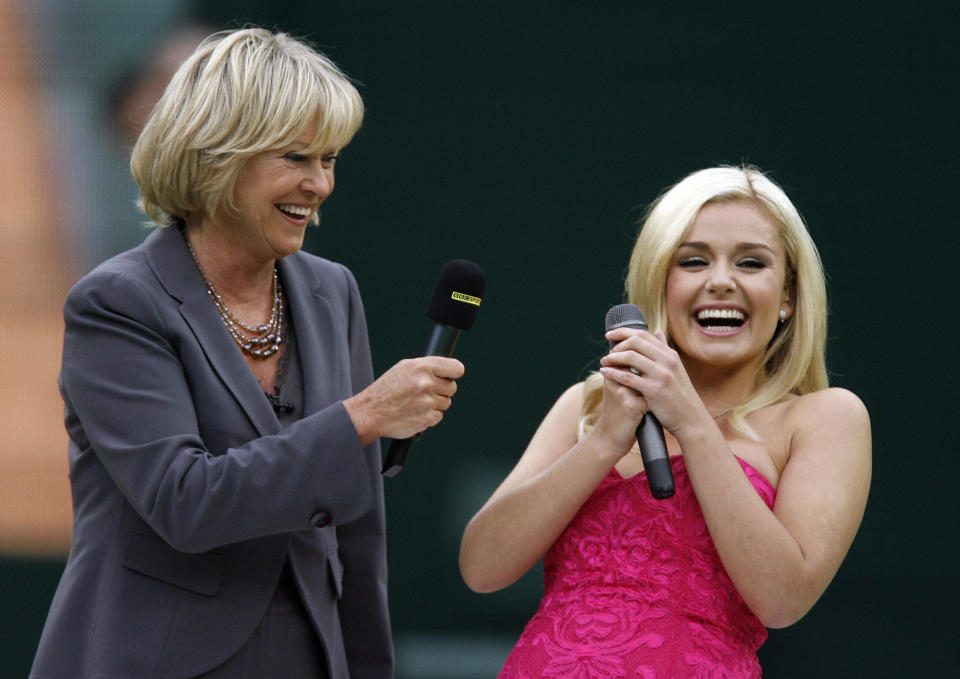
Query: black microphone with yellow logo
x=453, y=308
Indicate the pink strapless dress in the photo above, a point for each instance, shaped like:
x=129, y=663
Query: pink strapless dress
x=634, y=588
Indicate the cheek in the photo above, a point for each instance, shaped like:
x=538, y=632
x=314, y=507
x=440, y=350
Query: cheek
x=677, y=299
x=776, y=290
x=675, y=292
x=669, y=288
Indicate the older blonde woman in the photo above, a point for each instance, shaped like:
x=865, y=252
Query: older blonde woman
x=220, y=401
x=771, y=467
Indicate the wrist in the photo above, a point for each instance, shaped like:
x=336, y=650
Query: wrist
x=606, y=448
x=700, y=431
x=359, y=413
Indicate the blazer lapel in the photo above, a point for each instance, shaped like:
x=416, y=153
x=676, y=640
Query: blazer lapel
x=174, y=267
x=316, y=327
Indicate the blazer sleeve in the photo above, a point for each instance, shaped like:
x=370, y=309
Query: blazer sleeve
x=364, y=615
x=130, y=399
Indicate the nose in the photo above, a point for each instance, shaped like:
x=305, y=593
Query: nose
x=318, y=180
x=721, y=280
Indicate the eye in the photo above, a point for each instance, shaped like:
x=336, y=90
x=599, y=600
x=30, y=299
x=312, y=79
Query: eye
x=294, y=157
x=329, y=159
x=752, y=263
x=691, y=262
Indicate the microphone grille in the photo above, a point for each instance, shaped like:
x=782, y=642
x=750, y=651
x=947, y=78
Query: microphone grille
x=625, y=314
x=457, y=295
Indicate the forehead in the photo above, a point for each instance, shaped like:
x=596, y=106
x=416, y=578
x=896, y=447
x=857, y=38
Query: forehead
x=311, y=138
x=733, y=223
x=308, y=135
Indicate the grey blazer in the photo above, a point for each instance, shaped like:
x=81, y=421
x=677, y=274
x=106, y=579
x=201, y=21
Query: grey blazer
x=187, y=494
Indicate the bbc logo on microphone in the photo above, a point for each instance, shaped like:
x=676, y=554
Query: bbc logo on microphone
x=463, y=297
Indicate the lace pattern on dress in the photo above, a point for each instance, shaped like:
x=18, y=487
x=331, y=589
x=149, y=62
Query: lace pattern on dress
x=634, y=588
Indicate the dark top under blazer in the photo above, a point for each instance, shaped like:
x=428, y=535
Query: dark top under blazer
x=187, y=494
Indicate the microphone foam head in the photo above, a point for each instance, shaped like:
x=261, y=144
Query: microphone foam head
x=457, y=294
x=625, y=314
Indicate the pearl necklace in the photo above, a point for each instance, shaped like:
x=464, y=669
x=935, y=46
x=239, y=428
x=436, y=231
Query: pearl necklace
x=261, y=341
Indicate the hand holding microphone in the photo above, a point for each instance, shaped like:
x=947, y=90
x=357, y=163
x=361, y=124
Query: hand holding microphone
x=653, y=447
x=453, y=308
x=409, y=397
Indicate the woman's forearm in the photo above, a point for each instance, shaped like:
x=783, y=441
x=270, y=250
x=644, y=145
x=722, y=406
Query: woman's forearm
x=519, y=524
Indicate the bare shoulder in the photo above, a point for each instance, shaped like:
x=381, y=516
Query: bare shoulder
x=571, y=399
x=557, y=433
x=561, y=423
x=829, y=407
x=831, y=426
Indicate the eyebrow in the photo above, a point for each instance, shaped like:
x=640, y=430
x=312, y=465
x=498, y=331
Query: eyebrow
x=700, y=245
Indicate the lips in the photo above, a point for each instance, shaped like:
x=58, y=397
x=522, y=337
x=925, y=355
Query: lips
x=298, y=212
x=720, y=320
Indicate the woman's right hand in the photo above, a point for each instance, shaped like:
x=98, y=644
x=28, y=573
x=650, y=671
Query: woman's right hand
x=407, y=399
x=623, y=407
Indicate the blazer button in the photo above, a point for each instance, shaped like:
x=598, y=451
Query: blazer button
x=320, y=519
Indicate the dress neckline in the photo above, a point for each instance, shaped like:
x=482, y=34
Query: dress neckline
x=749, y=470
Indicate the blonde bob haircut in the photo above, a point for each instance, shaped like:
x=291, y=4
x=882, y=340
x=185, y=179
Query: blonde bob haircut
x=795, y=361
x=240, y=93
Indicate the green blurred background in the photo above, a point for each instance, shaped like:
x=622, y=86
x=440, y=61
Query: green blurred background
x=528, y=137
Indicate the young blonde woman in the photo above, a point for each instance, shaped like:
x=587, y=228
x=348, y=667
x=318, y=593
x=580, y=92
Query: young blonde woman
x=771, y=467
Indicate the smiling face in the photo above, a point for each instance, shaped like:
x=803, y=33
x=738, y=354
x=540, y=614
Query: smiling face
x=277, y=194
x=726, y=286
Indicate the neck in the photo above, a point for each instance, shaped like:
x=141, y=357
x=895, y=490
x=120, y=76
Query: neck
x=231, y=270
x=722, y=388
x=258, y=340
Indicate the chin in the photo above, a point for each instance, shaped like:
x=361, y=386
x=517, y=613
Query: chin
x=287, y=246
x=717, y=356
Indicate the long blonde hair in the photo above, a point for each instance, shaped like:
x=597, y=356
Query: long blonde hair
x=795, y=360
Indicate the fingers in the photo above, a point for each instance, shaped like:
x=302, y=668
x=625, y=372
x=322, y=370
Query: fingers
x=429, y=390
x=623, y=377
x=410, y=397
x=653, y=371
x=623, y=333
x=622, y=409
x=642, y=341
x=627, y=359
x=622, y=389
x=442, y=366
x=638, y=361
x=434, y=377
x=640, y=351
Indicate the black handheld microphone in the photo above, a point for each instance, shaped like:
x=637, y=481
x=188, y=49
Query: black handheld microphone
x=453, y=308
x=653, y=447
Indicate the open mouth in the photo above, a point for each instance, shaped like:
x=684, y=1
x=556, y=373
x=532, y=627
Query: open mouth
x=296, y=212
x=720, y=320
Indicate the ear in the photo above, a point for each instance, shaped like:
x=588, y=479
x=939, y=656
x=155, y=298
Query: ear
x=787, y=299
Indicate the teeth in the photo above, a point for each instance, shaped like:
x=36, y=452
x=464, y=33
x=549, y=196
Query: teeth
x=706, y=314
x=296, y=210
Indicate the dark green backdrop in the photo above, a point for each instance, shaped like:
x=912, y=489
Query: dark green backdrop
x=527, y=136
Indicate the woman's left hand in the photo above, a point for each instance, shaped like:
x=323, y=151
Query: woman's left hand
x=644, y=362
